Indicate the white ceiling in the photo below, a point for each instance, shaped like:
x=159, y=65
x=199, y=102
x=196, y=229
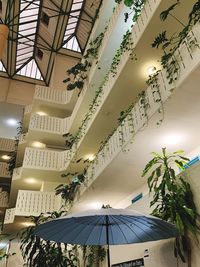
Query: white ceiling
x=9, y=111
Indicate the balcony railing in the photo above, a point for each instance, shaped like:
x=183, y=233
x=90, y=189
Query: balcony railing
x=4, y=172
x=7, y=144
x=4, y=196
x=33, y=203
x=45, y=159
x=48, y=124
x=51, y=95
x=188, y=61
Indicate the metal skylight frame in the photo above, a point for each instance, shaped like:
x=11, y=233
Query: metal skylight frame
x=70, y=41
x=28, y=24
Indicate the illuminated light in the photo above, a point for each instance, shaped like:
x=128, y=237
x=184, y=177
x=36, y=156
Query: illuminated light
x=28, y=224
x=41, y=113
x=151, y=71
x=90, y=157
x=95, y=205
x=38, y=144
x=5, y=157
x=173, y=139
x=30, y=180
x=12, y=122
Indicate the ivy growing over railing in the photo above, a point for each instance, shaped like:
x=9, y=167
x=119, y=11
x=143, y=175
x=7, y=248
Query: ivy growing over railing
x=171, y=59
x=135, y=6
x=79, y=73
x=13, y=154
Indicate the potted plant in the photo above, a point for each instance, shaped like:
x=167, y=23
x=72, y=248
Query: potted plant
x=173, y=199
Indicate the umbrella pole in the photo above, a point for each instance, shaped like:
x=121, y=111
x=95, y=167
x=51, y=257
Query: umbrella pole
x=108, y=256
x=107, y=241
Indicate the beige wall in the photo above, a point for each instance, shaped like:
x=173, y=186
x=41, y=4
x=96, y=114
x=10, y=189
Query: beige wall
x=16, y=92
x=62, y=63
x=21, y=93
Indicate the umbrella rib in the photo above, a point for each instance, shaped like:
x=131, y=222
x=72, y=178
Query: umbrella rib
x=114, y=219
x=125, y=217
x=130, y=228
x=92, y=230
x=153, y=223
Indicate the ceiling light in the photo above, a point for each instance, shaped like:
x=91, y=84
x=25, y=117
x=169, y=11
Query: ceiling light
x=31, y=180
x=95, y=205
x=172, y=139
x=5, y=157
x=41, y=113
x=151, y=71
x=90, y=157
x=27, y=224
x=12, y=122
x=38, y=144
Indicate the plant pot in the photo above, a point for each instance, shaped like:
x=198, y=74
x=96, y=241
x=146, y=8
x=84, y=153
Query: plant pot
x=3, y=38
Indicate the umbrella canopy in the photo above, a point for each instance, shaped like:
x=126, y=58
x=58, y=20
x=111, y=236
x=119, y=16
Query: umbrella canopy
x=106, y=227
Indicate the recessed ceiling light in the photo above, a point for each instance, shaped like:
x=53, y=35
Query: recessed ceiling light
x=5, y=157
x=151, y=70
x=11, y=122
x=38, y=144
x=90, y=157
x=172, y=139
x=31, y=180
x=27, y=224
x=41, y=113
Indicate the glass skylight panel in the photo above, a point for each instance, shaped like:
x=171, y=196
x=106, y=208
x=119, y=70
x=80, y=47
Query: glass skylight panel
x=2, y=67
x=31, y=70
x=70, y=42
x=27, y=32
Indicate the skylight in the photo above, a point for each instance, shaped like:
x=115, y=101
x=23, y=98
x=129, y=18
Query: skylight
x=27, y=31
x=2, y=67
x=70, y=41
x=31, y=70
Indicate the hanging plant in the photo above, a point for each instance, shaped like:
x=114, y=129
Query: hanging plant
x=173, y=199
x=171, y=59
x=13, y=154
x=68, y=191
x=155, y=87
x=79, y=73
x=135, y=6
x=126, y=45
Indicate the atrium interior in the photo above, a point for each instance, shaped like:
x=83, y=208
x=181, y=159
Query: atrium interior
x=99, y=109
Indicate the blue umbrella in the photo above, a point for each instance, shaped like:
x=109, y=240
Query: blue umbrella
x=106, y=227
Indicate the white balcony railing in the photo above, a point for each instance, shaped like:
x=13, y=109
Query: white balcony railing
x=4, y=197
x=48, y=124
x=35, y=202
x=51, y=95
x=188, y=61
x=4, y=172
x=9, y=216
x=7, y=144
x=45, y=159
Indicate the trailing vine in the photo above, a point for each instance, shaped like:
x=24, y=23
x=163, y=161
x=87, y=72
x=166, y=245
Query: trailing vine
x=171, y=59
x=126, y=45
x=68, y=191
x=155, y=87
x=135, y=6
x=13, y=154
x=79, y=73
